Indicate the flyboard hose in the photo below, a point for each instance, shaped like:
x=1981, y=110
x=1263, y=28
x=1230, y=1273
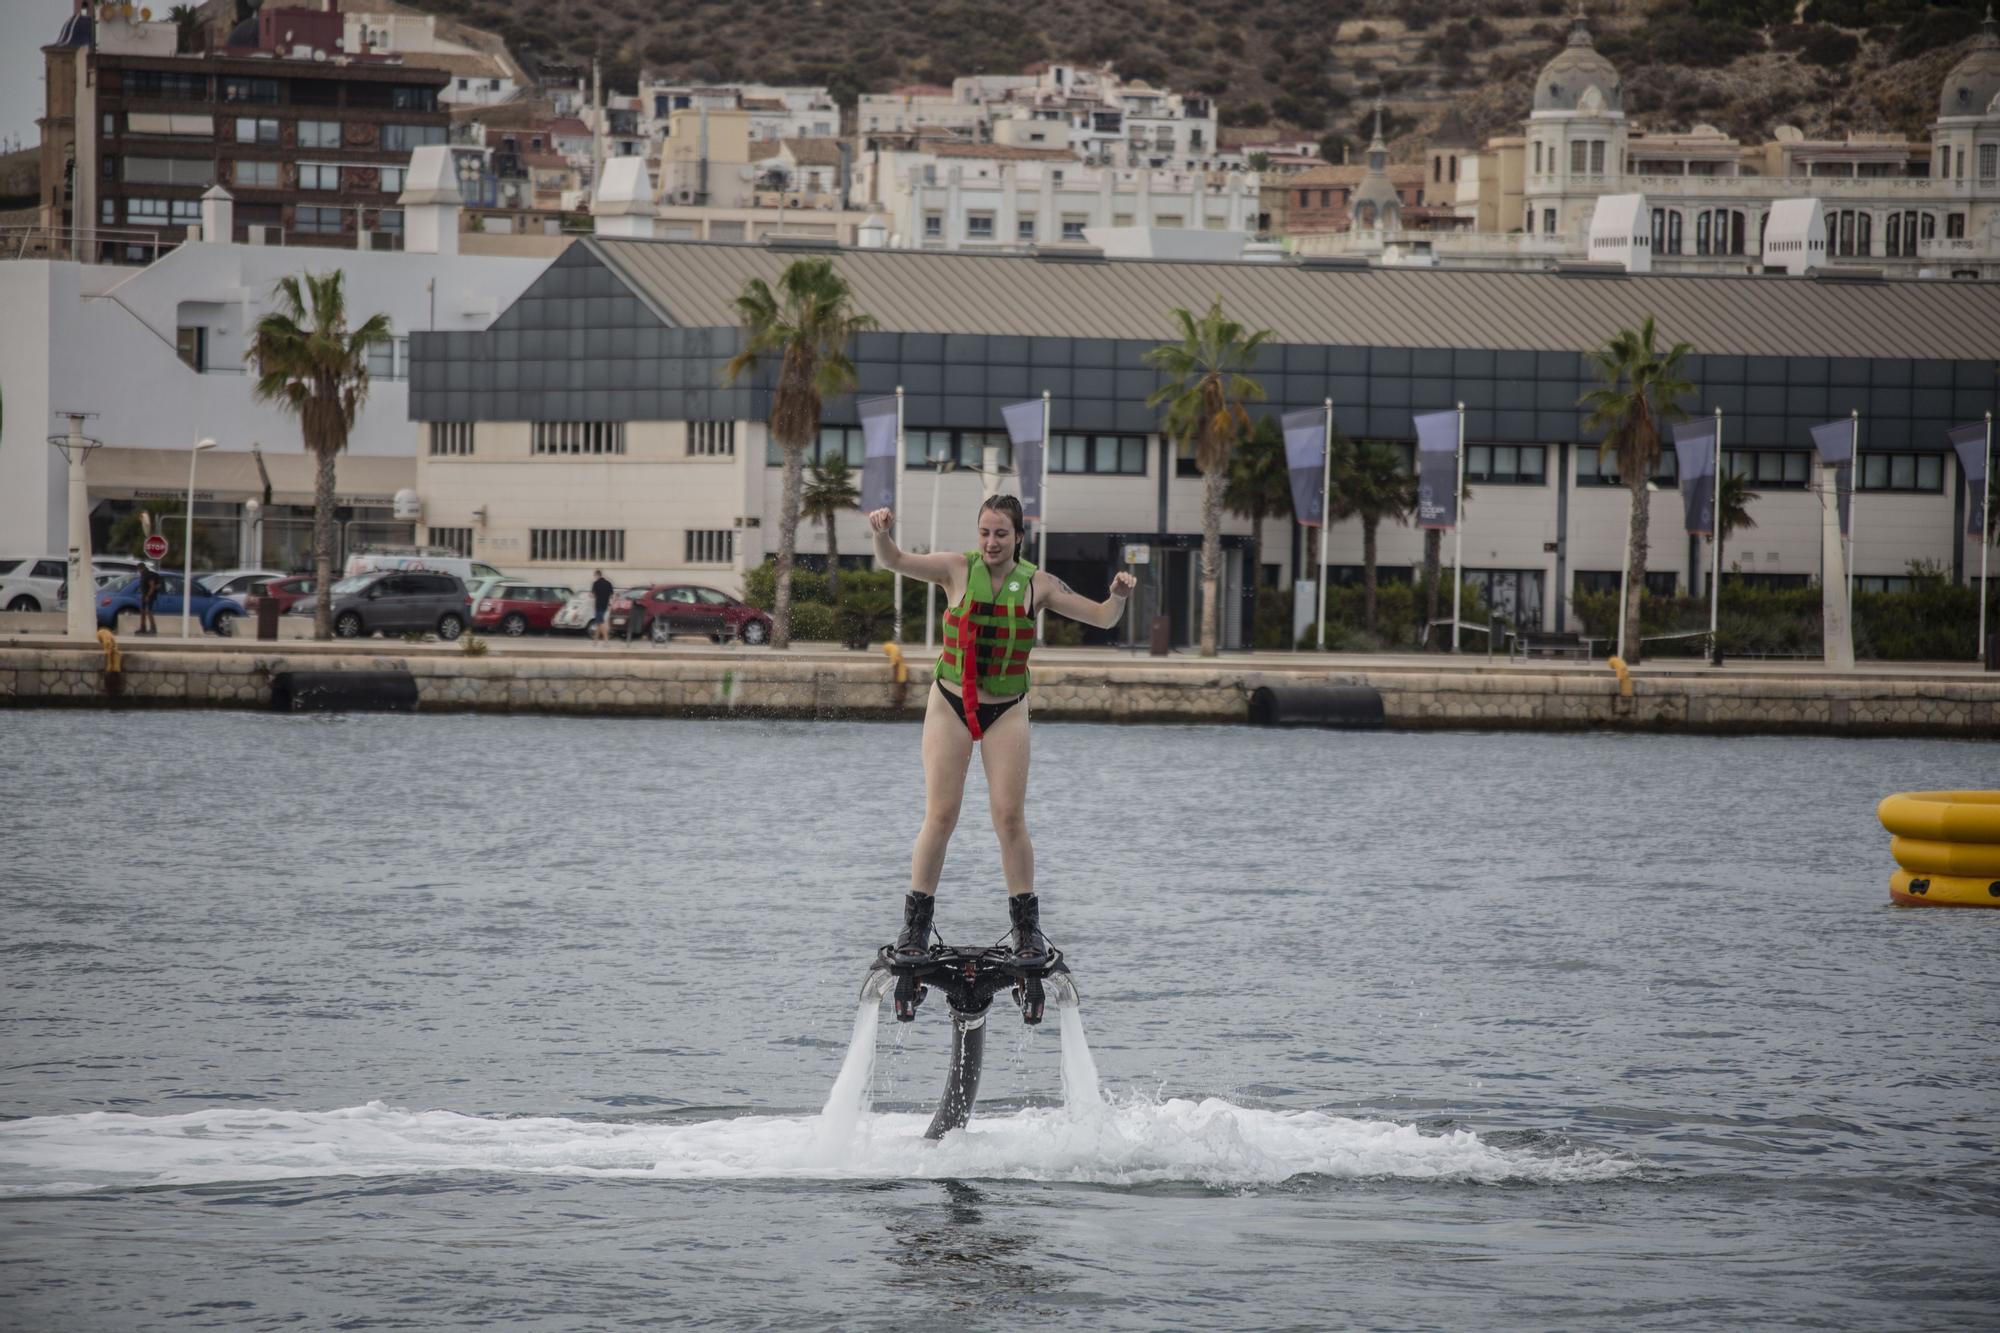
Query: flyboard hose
x=969, y=978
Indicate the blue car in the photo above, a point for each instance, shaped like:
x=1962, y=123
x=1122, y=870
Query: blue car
x=216, y=615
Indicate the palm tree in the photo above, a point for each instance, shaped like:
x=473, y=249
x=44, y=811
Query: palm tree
x=1369, y=483
x=1204, y=398
x=187, y=22
x=1259, y=487
x=1642, y=389
x=832, y=490
x=1732, y=511
x=808, y=323
x=312, y=365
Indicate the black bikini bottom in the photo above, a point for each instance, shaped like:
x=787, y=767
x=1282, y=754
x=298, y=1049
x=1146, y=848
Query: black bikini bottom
x=988, y=713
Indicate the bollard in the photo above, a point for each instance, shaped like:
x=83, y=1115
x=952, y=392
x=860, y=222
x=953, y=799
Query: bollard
x=1161, y=637
x=267, y=617
x=899, y=689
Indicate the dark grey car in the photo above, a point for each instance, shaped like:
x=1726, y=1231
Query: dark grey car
x=391, y=602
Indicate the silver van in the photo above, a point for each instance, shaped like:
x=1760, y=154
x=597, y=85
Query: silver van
x=394, y=602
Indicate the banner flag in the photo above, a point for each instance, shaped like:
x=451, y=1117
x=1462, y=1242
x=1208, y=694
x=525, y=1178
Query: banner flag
x=878, y=459
x=1437, y=470
x=1835, y=442
x=1024, y=428
x=1694, y=451
x=1305, y=459
x=1970, y=442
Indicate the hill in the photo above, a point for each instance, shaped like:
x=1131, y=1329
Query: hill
x=1828, y=66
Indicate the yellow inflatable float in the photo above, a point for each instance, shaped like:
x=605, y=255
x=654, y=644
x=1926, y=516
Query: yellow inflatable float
x=1947, y=847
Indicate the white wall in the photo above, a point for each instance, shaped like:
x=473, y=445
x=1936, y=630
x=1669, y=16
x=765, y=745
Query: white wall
x=100, y=338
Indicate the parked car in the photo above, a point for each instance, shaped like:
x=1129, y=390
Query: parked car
x=687, y=608
x=393, y=603
x=465, y=571
x=516, y=608
x=238, y=585
x=216, y=615
x=32, y=583
x=478, y=589
x=575, y=616
x=289, y=589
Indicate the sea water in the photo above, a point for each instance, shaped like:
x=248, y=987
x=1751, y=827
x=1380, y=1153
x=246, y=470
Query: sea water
x=548, y=1023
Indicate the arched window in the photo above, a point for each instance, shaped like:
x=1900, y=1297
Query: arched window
x=1701, y=225
x=1659, y=231
x=1437, y=168
x=1673, y=231
x=1454, y=166
x=1367, y=214
x=1538, y=157
x=1864, y=240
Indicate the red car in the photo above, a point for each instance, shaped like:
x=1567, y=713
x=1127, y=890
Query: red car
x=516, y=608
x=290, y=589
x=687, y=608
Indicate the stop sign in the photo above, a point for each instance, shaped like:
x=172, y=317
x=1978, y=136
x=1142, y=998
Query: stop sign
x=156, y=547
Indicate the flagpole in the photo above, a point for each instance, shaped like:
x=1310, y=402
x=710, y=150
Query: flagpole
x=1985, y=538
x=1325, y=502
x=1042, y=536
x=1853, y=499
x=898, y=515
x=1458, y=533
x=1714, y=541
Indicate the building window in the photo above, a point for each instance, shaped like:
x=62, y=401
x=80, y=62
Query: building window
x=1673, y=232
x=392, y=180
x=192, y=345
x=1659, y=582
x=319, y=176
x=456, y=540
x=933, y=226
x=1579, y=156
x=1954, y=226
x=1109, y=455
x=256, y=175
x=169, y=86
x=390, y=223
x=451, y=439
x=1538, y=157
x=1024, y=230
x=1506, y=464
x=263, y=92
x=314, y=221
x=961, y=448
x=979, y=227
x=407, y=98
x=319, y=134
x=107, y=211
x=166, y=170
x=256, y=131
x=1902, y=472
x=578, y=437
x=1072, y=227
x=1305, y=198
x=1597, y=157
x=389, y=359
x=577, y=546
x=1701, y=225
x=711, y=546
x=711, y=439
x=402, y=138
x=146, y=212
x=1780, y=469
x=1989, y=161
x=1593, y=469
x=1549, y=221
x=185, y=211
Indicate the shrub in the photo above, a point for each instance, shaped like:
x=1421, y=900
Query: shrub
x=1682, y=39
x=813, y=620
x=1932, y=623
x=866, y=616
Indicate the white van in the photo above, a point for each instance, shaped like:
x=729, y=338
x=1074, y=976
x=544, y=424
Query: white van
x=466, y=571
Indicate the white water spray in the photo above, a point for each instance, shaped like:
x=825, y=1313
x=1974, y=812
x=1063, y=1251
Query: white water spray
x=848, y=1101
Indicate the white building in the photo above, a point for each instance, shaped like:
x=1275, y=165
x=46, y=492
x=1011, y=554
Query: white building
x=155, y=354
x=483, y=72
x=776, y=111
x=945, y=195
x=1908, y=208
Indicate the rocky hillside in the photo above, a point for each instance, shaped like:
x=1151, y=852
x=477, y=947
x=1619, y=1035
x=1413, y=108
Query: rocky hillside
x=1827, y=66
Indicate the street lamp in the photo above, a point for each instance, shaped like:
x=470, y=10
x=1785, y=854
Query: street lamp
x=1625, y=573
x=76, y=447
x=187, y=540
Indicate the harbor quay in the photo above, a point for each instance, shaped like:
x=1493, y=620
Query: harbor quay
x=825, y=681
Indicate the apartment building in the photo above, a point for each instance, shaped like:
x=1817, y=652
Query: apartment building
x=311, y=142
x=591, y=422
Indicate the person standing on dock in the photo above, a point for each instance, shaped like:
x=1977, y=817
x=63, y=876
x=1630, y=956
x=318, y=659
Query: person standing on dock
x=149, y=593
x=600, y=599
x=981, y=696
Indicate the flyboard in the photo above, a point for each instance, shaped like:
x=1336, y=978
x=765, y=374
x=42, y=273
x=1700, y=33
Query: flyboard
x=969, y=978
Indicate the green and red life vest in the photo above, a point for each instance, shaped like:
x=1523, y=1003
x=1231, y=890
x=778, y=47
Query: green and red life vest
x=998, y=632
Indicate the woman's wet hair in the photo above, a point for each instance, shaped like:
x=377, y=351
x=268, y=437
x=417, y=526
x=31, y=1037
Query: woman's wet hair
x=1011, y=507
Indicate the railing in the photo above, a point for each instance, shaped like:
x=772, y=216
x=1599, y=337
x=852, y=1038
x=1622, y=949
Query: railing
x=1537, y=245
x=65, y=242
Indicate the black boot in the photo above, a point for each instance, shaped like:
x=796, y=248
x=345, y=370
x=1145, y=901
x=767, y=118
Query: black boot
x=917, y=911
x=1030, y=945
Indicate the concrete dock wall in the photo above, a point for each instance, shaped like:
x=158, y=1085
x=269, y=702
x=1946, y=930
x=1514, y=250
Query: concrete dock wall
x=855, y=685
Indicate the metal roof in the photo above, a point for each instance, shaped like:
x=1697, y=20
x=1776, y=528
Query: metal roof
x=695, y=284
